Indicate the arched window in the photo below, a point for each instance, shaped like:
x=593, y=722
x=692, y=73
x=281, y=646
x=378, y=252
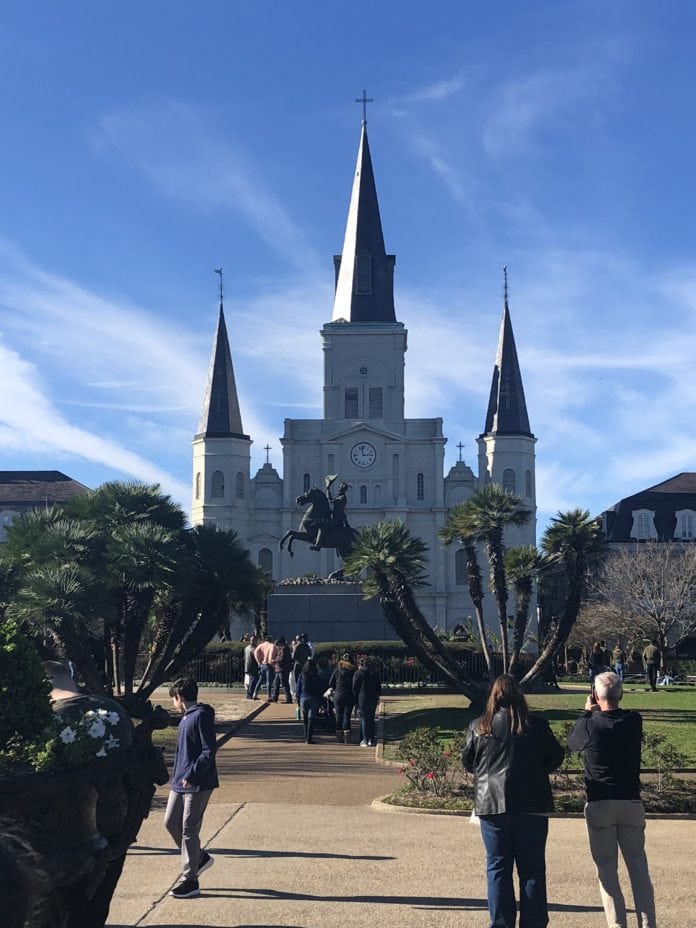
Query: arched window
x=363, y=494
x=198, y=485
x=420, y=486
x=239, y=485
x=460, y=567
x=217, y=489
x=528, y=484
x=266, y=561
x=377, y=494
x=306, y=483
x=509, y=481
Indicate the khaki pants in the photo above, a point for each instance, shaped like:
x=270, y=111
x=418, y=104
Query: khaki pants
x=614, y=824
x=183, y=820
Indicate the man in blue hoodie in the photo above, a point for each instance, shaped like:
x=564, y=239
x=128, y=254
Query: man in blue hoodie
x=194, y=777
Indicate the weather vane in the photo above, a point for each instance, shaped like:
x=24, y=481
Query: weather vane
x=364, y=100
x=505, y=284
x=218, y=271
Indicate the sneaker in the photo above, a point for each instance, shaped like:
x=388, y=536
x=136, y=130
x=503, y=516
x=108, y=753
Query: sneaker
x=205, y=862
x=187, y=889
x=363, y=743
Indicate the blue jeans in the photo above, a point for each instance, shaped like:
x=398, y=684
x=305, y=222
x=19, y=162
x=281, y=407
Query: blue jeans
x=344, y=708
x=619, y=671
x=516, y=839
x=265, y=678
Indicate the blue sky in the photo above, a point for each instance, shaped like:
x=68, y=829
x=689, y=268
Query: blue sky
x=144, y=144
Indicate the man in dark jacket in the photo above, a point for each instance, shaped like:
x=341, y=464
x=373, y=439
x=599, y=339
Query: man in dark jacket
x=282, y=665
x=194, y=777
x=652, y=656
x=610, y=740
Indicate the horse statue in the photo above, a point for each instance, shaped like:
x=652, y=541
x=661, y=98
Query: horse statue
x=324, y=524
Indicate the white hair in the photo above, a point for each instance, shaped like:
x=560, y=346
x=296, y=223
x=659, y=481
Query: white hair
x=608, y=687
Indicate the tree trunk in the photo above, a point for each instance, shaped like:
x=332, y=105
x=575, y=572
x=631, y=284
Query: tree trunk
x=476, y=593
x=560, y=634
x=499, y=589
x=524, y=597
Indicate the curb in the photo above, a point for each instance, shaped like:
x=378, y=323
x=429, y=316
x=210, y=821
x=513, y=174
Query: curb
x=380, y=805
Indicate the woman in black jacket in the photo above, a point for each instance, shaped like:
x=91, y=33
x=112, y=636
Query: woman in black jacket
x=310, y=690
x=366, y=689
x=341, y=683
x=511, y=754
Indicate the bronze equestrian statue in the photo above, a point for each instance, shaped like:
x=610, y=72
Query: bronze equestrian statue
x=324, y=524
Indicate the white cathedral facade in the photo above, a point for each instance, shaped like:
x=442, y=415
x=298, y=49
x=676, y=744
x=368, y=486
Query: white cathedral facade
x=394, y=466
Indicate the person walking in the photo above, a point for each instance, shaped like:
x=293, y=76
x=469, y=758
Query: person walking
x=282, y=663
x=597, y=662
x=265, y=655
x=652, y=657
x=194, y=778
x=341, y=683
x=610, y=741
x=367, y=689
x=301, y=653
x=618, y=656
x=310, y=691
x=511, y=754
x=251, y=667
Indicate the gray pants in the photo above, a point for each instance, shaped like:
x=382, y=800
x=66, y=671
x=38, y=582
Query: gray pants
x=183, y=820
x=614, y=824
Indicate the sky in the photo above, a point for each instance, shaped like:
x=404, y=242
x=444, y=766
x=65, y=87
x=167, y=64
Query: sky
x=145, y=144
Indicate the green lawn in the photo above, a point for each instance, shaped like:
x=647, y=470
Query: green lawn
x=671, y=711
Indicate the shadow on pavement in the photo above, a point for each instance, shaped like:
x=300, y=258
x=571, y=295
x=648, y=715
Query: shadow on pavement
x=249, y=852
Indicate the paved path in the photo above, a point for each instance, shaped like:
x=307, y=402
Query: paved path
x=297, y=844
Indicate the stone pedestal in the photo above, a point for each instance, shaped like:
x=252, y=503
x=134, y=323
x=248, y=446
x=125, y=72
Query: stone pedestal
x=327, y=612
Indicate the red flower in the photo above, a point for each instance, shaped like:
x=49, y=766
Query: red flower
x=430, y=776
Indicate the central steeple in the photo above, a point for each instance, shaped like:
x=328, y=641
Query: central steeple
x=364, y=271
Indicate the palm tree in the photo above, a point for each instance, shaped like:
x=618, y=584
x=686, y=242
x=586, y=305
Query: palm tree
x=523, y=565
x=573, y=540
x=462, y=526
x=216, y=577
x=141, y=559
x=395, y=563
x=494, y=509
x=61, y=598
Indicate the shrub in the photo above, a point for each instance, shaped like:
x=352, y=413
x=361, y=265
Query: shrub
x=660, y=753
x=26, y=717
x=431, y=765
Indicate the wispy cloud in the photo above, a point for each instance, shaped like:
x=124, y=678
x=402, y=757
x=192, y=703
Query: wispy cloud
x=437, y=90
x=177, y=146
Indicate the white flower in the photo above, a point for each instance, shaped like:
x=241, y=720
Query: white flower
x=111, y=743
x=96, y=729
x=101, y=753
x=102, y=713
x=68, y=735
x=112, y=718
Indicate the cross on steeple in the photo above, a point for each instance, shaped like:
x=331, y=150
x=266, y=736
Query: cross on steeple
x=267, y=448
x=364, y=100
x=460, y=446
x=218, y=271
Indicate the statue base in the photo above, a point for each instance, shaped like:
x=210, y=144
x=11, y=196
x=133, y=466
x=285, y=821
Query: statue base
x=326, y=611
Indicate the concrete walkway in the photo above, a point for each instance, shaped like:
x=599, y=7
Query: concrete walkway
x=297, y=844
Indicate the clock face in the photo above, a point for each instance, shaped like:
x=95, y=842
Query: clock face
x=363, y=454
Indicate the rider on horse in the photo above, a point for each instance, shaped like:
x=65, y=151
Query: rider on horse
x=338, y=512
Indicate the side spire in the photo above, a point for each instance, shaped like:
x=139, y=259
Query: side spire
x=507, y=410
x=364, y=271
x=220, y=416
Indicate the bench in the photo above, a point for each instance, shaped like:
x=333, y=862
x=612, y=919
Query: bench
x=690, y=679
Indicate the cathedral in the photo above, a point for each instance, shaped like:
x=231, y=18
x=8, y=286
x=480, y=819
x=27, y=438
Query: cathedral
x=393, y=466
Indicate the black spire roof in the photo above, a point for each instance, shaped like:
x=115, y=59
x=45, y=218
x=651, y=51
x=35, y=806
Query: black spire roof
x=364, y=272
x=220, y=417
x=507, y=410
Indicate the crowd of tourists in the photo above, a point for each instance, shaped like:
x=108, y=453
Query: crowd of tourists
x=509, y=751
